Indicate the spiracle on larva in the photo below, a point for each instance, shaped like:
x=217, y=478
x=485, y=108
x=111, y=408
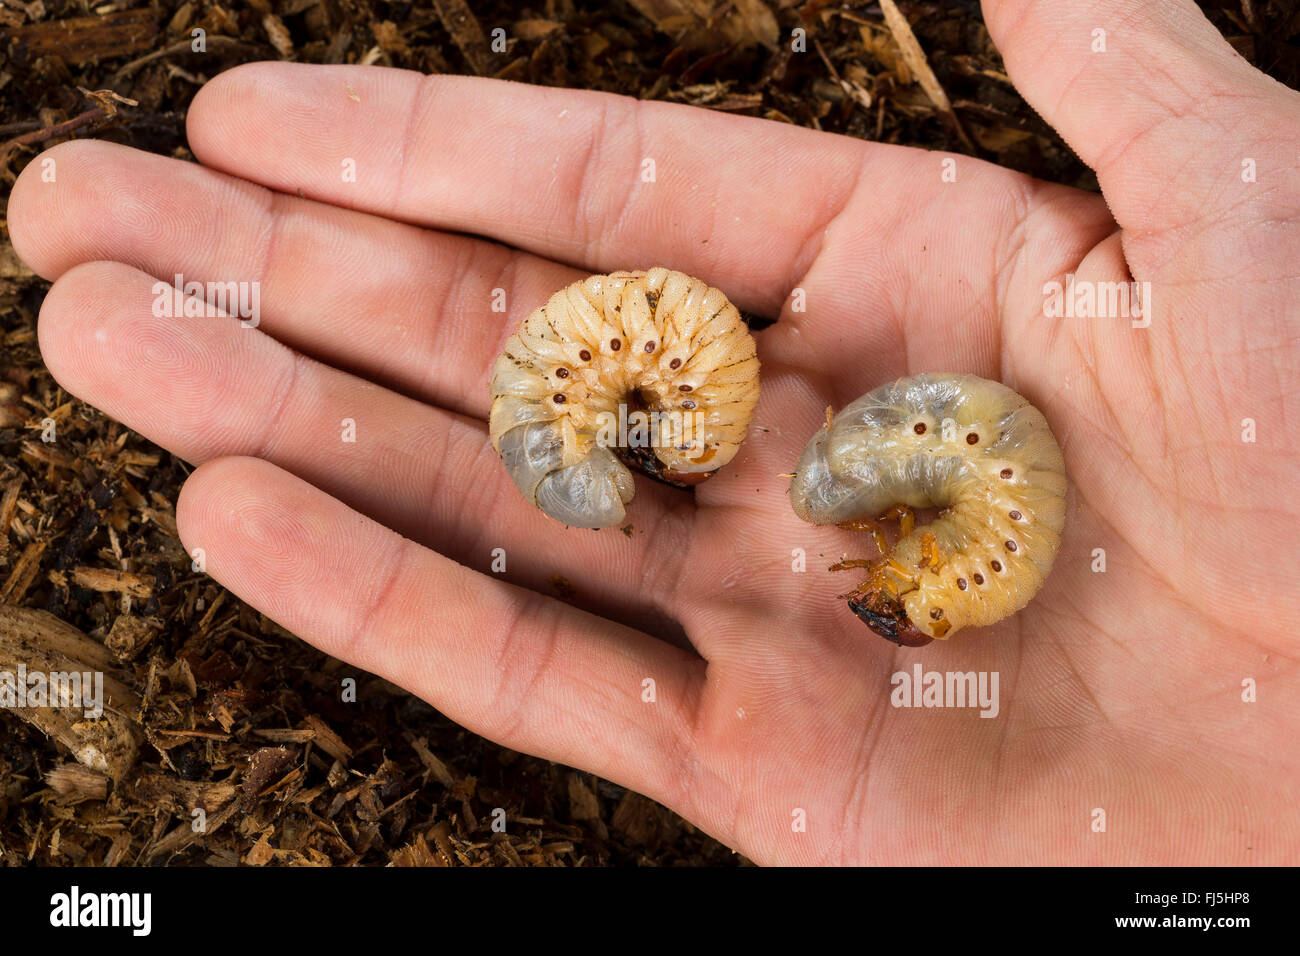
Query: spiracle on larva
x=652, y=368
x=958, y=442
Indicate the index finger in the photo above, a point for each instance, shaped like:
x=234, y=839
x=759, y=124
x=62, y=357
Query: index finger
x=599, y=181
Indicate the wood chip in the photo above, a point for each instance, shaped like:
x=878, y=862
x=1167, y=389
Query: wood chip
x=709, y=25
x=437, y=769
x=129, y=635
x=8, y=502
x=327, y=740
x=23, y=573
x=85, y=40
x=278, y=34
x=465, y=32
x=108, y=580
x=74, y=783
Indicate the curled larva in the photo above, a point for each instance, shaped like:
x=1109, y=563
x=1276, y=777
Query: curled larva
x=653, y=368
x=958, y=442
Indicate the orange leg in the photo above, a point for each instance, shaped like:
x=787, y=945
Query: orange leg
x=851, y=563
x=906, y=518
x=886, y=579
x=902, y=573
x=930, y=554
x=878, y=599
x=902, y=513
x=866, y=524
x=884, y=576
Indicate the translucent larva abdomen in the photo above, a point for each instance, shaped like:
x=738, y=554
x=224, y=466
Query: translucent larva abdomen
x=961, y=443
x=653, y=368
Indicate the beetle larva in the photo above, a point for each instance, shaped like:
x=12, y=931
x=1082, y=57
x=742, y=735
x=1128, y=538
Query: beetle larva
x=653, y=368
x=958, y=442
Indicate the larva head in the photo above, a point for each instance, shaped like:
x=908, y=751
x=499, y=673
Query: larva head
x=888, y=618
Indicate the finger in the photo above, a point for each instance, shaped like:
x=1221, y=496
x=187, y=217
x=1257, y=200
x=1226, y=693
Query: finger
x=1149, y=95
x=416, y=310
x=595, y=180
x=526, y=671
x=208, y=387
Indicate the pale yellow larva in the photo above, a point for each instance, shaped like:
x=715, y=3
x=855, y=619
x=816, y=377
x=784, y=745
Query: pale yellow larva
x=958, y=442
x=654, y=368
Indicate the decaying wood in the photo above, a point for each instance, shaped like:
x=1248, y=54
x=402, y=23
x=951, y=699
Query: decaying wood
x=129, y=635
x=23, y=573
x=708, y=24
x=106, y=579
x=85, y=39
x=465, y=32
x=75, y=782
x=36, y=642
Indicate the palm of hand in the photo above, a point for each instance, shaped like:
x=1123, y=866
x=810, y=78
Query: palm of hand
x=1119, y=689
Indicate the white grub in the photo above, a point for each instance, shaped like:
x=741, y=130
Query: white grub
x=660, y=342
x=967, y=445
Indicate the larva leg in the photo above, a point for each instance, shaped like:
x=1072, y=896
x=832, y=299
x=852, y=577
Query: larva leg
x=931, y=556
x=852, y=563
x=866, y=524
x=883, y=574
x=905, y=517
x=876, y=601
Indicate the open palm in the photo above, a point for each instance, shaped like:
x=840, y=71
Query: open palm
x=1121, y=689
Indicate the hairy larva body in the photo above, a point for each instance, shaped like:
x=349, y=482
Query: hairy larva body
x=653, y=368
x=958, y=442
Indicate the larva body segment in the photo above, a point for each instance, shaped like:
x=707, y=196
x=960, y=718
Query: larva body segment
x=967, y=445
x=664, y=354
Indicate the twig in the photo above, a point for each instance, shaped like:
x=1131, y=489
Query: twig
x=915, y=59
x=58, y=129
x=183, y=46
x=106, y=107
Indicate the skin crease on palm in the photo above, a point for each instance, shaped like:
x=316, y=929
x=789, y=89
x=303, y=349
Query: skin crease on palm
x=1120, y=691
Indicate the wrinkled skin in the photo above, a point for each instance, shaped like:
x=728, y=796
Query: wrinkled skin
x=1119, y=690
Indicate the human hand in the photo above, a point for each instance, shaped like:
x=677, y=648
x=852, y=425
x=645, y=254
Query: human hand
x=1119, y=690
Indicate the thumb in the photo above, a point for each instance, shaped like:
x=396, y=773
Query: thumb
x=1153, y=98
